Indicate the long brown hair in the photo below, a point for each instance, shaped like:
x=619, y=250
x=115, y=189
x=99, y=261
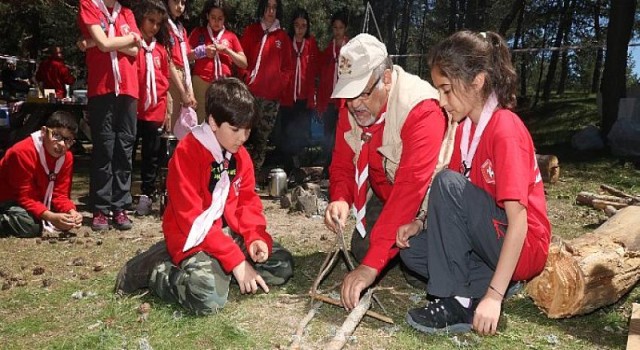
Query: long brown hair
x=465, y=54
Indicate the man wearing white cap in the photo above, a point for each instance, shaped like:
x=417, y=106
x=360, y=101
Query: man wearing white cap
x=389, y=141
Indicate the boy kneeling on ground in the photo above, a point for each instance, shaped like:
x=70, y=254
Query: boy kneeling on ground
x=213, y=225
x=36, y=181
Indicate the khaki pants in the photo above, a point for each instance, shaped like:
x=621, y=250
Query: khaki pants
x=200, y=94
x=174, y=100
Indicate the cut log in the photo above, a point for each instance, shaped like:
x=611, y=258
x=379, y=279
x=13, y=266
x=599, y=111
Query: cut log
x=610, y=211
x=549, y=167
x=591, y=271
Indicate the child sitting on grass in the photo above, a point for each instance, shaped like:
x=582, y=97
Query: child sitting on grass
x=213, y=225
x=36, y=175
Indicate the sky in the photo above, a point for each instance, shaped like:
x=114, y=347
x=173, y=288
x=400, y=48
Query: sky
x=635, y=56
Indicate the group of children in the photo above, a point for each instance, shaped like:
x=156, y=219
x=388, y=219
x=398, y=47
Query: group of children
x=214, y=226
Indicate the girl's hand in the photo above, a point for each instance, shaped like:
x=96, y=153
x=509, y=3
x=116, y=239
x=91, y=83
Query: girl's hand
x=487, y=314
x=407, y=231
x=210, y=50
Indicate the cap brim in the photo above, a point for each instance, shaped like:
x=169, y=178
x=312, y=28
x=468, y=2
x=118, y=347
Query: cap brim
x=350, y=88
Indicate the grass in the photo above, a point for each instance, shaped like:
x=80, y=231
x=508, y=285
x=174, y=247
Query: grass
x=35, y=316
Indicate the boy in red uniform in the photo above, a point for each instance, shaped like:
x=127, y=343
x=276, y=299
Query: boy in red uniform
x=36, y=173
x=213, y=225
x=54, y=74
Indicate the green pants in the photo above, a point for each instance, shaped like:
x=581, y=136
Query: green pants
x=16, y=221
x=201, y=286
x=260, y=133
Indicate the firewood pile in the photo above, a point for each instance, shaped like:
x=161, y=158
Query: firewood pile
x=611, y=202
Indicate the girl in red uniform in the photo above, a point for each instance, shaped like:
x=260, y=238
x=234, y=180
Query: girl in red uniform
x=153, y=77
x=270, y=67
x=180, y=89
x=301, y=92
x=487, y=219
x=216, y=49
x=111, y=40
x=328, y=67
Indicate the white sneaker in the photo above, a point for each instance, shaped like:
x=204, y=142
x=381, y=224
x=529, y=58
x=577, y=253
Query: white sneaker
x=144, y=205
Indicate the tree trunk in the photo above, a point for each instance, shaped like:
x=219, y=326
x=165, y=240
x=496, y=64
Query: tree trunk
x=516, y=7
x=555, y=55
x=453, y=16
x=406, y=27
x=591, y=271
x=595, y=82
x=614, y=77
x=519, y=40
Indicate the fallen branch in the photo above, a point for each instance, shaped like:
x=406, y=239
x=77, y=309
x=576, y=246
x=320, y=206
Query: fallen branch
x=585, y=197
x=616, y=192
x=350, y=324
x=297, y=337
x=369, y=313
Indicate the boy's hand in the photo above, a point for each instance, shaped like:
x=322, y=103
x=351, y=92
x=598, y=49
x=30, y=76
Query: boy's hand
x=61, y=221
x=248, y=279
x=259, y=251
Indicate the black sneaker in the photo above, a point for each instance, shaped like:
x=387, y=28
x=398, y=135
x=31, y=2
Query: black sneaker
x=445, y=315
x=135, y=274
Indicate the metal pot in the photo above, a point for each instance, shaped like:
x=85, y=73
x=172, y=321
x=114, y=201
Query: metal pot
x=168, y=144
x=277, y=182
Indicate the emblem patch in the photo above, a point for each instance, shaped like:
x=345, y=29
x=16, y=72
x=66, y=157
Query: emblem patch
x=487, y=172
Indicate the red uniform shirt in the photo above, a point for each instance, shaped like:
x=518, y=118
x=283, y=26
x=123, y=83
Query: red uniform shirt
x=422, y=135
x=176, y=54
x=189, y=193
x=54, y=74
x=276, y=67
x=25, y=181
x=155, y=113
x=100, y=79
x=505, y=166
x=327, y=69
x=204, y=67
x=308, y=72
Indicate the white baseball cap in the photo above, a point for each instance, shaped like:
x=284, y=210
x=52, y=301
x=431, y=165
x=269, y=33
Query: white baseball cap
x=358, y=58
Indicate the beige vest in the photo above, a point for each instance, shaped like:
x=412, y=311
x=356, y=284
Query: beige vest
x=407, y=90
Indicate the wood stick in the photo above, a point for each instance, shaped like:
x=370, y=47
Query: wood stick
x=369, y=313
x=610, y=211
x=616, y=192
x=350, y=324
x=587, y=197
x=297, y=338
x=602, y=205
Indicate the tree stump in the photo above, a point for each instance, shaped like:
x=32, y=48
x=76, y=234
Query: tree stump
x=591, y=271
x=549, y=167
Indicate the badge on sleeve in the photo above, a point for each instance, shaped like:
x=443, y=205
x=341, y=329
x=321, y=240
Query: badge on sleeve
x=487, y=172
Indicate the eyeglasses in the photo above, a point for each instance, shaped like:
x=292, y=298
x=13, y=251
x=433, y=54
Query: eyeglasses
x=365, y=94
x=57, y=137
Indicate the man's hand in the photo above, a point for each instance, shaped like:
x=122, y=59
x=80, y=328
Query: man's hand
x=407, y=231
x=248, y=279
x=336, y=211
x=354, y=283
x=259, y=251
x=485, y=319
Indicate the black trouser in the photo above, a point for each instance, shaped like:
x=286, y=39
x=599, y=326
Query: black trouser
x=330, y=121
x=459, y=250
x=149, y=138
x=113, y=130
x=296, y=131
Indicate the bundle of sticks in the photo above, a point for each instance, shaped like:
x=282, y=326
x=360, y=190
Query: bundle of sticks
x=610, y=203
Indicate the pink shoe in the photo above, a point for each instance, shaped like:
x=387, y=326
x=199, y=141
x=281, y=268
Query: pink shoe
x=100, y=222
x=121, y=221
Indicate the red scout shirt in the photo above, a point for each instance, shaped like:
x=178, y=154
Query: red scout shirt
x=100, y=79
x=327, y=69
x=422, y=136
x=189, y=193
x=25, y=181
x=54, y=74
x=309, y=71
x=276, y=67
x=505, y=166
x=204, y=67
x=155, y=113
x=176, y=54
